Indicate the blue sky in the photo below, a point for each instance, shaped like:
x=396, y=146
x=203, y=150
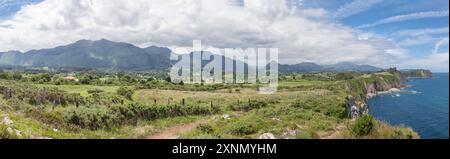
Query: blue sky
x=9, y=7
x=415, y=27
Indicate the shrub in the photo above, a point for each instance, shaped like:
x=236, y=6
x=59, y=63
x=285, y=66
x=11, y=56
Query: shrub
x=250, y=105
x=364, y=125
x=93, y=91
x=93, y=118
x=329, y=105
x=155, y=112
x=17, y=76
x=346, y=76
x=97, y=117
x=243, y=128
x=205, y=128
x=126, y=92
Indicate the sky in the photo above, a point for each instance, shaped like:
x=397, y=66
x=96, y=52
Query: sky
x=383, y=33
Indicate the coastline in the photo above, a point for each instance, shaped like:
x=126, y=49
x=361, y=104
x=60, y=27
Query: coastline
x=390, y=91
x=423, y=106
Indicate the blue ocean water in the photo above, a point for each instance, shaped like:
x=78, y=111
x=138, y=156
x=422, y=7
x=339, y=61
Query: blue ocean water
x=423, y=106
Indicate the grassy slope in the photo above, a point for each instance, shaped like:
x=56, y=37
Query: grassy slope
x=301, y=109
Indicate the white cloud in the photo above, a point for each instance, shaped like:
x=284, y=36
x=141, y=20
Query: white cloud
x=313, y=12
x=437, y=60
x=406, y=17
x=439, y=44
x=421, y=32
x=417, y=40
x=355, y=7
x=302, y=34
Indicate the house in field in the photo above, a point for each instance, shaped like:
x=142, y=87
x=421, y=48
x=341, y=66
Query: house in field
x=70, y=78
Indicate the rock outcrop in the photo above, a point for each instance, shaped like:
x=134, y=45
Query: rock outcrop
x=267, y=136
x=382, y=85
x=390, y=81
x=356, y=108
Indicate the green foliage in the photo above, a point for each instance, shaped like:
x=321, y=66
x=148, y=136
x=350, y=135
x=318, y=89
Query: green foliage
x=5, y=75
x=41, y=78
x=205, y=128
x=247, y=106
x=17, y=76
x=127, y=92
x=401, y=134
x=11, y=75
x=363, y=125
x=309, y=104
x=346, y=75
x=87, y=78
x=94, y=91
x=243, y=128
x=94, y=117
x=329, y=105
x=97, y=117
x=5, y=134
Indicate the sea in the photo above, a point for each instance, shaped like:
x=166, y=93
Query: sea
x=423, y=105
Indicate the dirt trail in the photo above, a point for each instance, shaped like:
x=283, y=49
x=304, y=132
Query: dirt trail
x=172, y=132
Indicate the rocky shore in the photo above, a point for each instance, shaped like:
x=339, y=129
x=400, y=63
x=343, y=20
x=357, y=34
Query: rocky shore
x=381, y=85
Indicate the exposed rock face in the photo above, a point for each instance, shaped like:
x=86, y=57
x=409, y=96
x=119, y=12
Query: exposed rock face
x=289, y=134
x=372, y=88
x=267, y=136
x=356, y=108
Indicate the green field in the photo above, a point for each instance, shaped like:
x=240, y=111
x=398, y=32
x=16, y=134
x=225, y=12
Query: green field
x=81, y=89
x=301, y=109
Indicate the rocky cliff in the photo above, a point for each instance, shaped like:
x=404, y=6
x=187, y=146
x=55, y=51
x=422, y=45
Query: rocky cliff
x=418, y=73
x=368, y=86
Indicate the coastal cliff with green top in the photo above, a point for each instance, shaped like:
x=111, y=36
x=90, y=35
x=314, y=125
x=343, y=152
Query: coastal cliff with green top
x=324, y=105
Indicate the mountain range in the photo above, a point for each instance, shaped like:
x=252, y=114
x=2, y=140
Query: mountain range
x=105, y=54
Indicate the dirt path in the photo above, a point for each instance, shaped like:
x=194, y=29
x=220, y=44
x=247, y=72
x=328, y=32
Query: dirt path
x=172, y=132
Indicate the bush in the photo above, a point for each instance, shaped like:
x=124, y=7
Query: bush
x=95, y=91
x=97, y=117
x=205, y=128
x=126, y=92
x=328, y=105
x=346, y=76
x=364, y=125
x=156, y=112
x=17, y=76
x=250, y=105
x=93, y=118
x=243, y=128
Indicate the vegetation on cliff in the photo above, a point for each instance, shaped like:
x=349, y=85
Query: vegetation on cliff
x=128, y=105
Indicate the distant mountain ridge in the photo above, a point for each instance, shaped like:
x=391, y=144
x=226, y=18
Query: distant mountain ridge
x=105, y=54
x=92, y=54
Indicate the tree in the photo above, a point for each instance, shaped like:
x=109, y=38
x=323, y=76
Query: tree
x=345, y=76
x=4, y=75
x=168, y=79
x=17, y=76
x=126, y=92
